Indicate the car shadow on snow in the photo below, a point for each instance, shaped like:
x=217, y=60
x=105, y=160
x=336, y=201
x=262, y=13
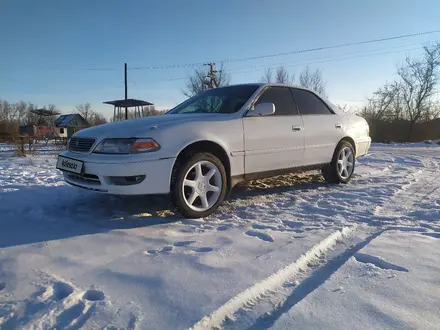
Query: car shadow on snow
x=42, y=213
x=32, y=214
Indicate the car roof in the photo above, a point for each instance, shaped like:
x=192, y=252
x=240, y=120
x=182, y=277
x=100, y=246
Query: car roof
x=270, y=85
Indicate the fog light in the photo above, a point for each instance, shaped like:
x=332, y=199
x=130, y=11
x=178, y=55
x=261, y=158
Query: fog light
x=127, y=180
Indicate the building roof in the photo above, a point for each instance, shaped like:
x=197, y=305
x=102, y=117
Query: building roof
x=74, y=119
x=128, y=103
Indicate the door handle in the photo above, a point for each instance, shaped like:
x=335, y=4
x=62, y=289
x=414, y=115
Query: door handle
x=338, y=125
x=297, y=128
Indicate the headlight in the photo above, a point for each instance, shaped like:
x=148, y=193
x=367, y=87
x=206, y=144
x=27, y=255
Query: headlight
x=126, y=146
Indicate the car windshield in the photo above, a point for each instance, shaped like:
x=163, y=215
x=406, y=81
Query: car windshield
x=219, y=100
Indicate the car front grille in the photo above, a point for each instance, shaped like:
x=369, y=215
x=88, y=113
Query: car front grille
x=81, y=144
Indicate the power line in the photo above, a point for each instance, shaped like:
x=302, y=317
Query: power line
x=296, y=63
x=247, y=69
x=326, y=60
x=337, y=55
x=269, y=65
x=198, y=64
x=72, y=69
x=357, y=43
x=309, y=50
x=330, y=60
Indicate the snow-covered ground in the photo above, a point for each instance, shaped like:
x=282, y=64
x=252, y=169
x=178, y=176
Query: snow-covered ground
x=282, y=253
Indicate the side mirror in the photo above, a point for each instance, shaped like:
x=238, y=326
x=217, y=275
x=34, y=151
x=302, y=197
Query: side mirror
x=264, y=109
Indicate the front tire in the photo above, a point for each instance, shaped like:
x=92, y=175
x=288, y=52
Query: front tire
x=199, y=185
x=341, y=168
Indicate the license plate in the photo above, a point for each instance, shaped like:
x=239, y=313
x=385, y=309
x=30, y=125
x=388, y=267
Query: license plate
x=70, y=165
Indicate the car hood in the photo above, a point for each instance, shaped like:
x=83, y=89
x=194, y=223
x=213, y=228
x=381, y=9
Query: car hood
x=140, y=126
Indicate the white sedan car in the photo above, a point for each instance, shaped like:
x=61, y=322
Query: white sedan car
x=200, y=149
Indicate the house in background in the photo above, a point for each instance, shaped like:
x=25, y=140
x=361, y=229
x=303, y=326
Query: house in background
x=67, y=125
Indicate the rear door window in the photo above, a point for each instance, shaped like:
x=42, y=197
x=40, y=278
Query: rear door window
x=310, y=104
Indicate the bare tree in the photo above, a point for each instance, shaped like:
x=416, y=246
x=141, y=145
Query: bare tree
x=5, y=110
x=380, y=105
x=31, y=118
x=6, y=129
x=199, y=81
x=396, y=105
x=267, y=77
x=152, y=111
x=21, y=110
x=281, y=76
x=97, y=119
x=85, y=110
x=222, y=76
x=419, y=79
x=313, y=80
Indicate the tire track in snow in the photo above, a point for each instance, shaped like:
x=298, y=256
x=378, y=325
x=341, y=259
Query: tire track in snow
x=274, y=282
x=425, y=183
x=310, y=284
x=381, y=209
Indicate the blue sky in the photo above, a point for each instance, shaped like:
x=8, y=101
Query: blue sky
x=48, y=47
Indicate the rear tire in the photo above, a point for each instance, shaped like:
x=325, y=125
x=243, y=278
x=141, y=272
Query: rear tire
x=199, y=185
x=341, y=168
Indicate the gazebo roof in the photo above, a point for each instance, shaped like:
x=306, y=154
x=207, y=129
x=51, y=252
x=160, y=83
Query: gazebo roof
x=128, y=103
x=45, y=112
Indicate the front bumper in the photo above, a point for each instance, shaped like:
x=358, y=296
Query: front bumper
x=98, y=172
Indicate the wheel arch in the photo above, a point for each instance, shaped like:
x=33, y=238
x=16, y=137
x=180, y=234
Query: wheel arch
x=204, y=146
x=349, y=140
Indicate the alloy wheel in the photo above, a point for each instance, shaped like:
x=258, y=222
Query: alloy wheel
x=345, y=163
x=202, y=186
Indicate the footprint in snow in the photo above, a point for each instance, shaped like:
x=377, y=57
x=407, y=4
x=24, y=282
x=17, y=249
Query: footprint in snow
x=68, y=316
x=94, y=295
x=204, y=249
x=340, y=290
x=224, y=227
x=151, y=252
x=76, y=315
x=435, y=235
x=260, y=235
x=163, y=250
x=184, y=243
x=261, y=226
x=2, y=285
x=167, y=249
x=61, y=290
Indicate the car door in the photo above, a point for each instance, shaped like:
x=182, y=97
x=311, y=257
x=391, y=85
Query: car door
x=322, y=127
x=276, y=141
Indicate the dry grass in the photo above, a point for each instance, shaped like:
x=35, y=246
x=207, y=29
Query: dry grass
x=282, y=181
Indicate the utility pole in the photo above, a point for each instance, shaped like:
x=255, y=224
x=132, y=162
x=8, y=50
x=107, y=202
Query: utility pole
x=125, y=83
x=211, y=75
